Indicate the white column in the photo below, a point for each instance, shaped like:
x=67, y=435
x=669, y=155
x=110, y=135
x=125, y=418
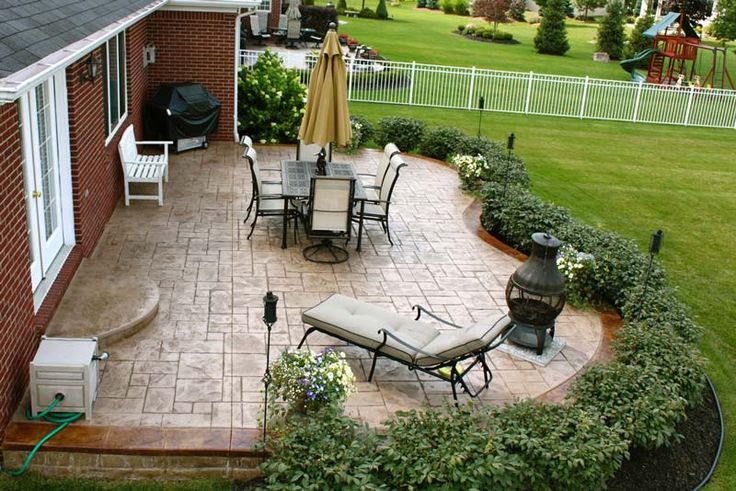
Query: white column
x=644, y=7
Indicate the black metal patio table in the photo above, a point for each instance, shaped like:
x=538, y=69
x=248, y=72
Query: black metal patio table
x=296, y=176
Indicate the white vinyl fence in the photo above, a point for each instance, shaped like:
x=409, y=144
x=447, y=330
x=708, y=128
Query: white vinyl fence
x=419, y=84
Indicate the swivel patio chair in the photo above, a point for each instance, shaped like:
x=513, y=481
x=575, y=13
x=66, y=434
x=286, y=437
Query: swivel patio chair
x=258, y=31
x=328, y=217
x=373, y=186
x=293, y=32
x=447, y=354
x=377, y=210
x=266, y=196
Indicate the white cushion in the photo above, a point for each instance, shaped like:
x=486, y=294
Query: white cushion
x=359, y=323
x=456, y=342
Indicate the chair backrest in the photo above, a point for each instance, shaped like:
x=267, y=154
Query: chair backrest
x=294, y=29
x=283, y=22
x=392, y=175
x=255, y=171
x=331, y=205
x=309, y=152
x=255, y=25
x=388, y=151
x=262, y=21
x=126, y=148
x=246, y=141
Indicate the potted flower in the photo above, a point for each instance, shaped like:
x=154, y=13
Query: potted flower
x=307, y=381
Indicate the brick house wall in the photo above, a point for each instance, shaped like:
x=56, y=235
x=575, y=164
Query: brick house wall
x=17, y=333
x=196, y=47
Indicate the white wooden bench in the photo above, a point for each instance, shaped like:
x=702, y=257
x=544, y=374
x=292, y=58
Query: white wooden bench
x=143, y=168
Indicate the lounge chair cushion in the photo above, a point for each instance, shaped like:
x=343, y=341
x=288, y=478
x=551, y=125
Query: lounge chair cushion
x=452, y=343
x=358, y=322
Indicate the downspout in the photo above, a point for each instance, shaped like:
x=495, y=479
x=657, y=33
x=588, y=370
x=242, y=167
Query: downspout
x=238, y=21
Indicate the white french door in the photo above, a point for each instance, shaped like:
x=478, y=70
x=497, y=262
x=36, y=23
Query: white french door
x=44, y=128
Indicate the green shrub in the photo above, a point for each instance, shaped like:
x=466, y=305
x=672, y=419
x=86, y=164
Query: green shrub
x=504, y=36
x=579, y=270
x=367, y=13
x=461, y=28
x=611, y=35
x=270, y=101
x=447, y=6
x=381, y=10
x=517, y=9
x=421, y=4
x=515, y=215
x=436, y=450
x=561, y=447
x=658, y=306
x=368, y=130
x=637, y=41
x=476, y=145
x=325, y=451
x=487, y=34
x=406, y=133
x=634, y=399
x=432, y=4
x=386, y=79
x=440, y=143
x=342, y=5
x=551, y=37
x=461, y=7
x=661, y=350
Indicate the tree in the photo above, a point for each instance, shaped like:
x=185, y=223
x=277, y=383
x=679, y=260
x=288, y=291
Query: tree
x=551, y=38
x=696, y=10
x=611, y=32
x=517, y=9
x=724, y=25
x=586, y=5
x=494, y=11
x=381, y=10
x=637, y=41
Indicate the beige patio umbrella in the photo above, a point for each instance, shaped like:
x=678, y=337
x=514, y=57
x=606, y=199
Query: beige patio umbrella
x=326, y=118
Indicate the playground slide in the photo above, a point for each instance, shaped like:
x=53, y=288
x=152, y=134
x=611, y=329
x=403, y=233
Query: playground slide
x=630, y=64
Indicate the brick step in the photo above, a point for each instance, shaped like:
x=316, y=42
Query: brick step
x=114, y=452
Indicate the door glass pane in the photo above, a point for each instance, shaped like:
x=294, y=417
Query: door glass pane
x=113, y=91
x=48, y=173
x=30, y=207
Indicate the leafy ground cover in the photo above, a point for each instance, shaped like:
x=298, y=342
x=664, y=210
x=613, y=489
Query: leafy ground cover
x=634, y=179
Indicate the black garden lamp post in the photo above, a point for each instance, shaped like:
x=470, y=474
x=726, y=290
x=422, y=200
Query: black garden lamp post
x=270, y=301
x=536, y=294
x=510, y=143
x=481, y=106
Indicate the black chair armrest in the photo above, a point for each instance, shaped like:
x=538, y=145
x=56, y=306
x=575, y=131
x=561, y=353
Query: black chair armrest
x=421, y=309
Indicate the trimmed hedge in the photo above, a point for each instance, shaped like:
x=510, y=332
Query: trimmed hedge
x=636, y=400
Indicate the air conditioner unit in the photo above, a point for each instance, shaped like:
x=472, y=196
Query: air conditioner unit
x=66, y=366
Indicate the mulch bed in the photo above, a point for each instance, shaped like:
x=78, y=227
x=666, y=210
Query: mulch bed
x=680, y=467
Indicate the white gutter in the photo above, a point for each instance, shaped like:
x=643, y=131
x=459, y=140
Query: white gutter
x=12, y=86
x=211, y=5
x=238, y=21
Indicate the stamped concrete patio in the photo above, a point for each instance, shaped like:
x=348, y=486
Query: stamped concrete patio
x=200, y=361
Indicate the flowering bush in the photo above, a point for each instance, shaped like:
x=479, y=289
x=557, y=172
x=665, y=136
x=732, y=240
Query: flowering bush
x=362, y=132
x=578, y=268
x=308, y=380
x=470, y=168
x=270, y=101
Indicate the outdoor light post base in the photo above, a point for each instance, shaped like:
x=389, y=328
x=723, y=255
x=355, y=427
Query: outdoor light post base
x=533, y=336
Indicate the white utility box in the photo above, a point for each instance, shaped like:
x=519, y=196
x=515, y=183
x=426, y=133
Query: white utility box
x=67, y=366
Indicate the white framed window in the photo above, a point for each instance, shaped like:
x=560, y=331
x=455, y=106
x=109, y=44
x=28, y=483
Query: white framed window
x=265, y=6
x=116, y=84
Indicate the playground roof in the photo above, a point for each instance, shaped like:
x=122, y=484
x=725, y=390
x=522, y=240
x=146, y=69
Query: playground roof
x=667, y=21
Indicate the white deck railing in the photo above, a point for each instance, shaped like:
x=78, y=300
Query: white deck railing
x=419, y=84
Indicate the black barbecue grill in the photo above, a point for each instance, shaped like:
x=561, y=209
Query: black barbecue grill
x=185, y=113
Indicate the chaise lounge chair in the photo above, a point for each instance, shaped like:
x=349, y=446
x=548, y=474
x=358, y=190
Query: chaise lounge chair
x=416, y=344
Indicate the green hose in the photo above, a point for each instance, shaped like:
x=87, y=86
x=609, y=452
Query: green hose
x=62, y=419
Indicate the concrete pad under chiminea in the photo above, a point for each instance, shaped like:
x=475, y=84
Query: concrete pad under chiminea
x=109, y=304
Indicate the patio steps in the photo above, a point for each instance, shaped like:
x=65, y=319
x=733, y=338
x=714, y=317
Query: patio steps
x=104, y=302
x=115, y=452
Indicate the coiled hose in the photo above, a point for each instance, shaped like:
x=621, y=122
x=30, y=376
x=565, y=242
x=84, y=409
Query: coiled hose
x=61, y=419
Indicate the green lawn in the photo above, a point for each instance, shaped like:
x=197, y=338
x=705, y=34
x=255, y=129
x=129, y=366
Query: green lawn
x=634, y=179
x=425, y=37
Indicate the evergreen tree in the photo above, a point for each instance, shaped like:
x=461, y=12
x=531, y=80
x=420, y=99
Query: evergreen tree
x=342, y=5
x=637, y=41
x=551, y=38
x=381, y=10
x=724, y=25
x=696, y=10
x=611, y=32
